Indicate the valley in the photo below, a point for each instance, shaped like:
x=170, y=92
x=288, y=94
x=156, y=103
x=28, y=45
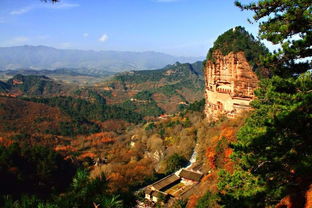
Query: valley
x=113, y=124
x=138, y=128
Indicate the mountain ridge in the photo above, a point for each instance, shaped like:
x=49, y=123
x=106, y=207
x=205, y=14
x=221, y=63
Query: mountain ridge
x=44, y=57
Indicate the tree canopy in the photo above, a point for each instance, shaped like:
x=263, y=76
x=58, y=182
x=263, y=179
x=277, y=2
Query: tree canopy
x=238, y=39
x=287, y=23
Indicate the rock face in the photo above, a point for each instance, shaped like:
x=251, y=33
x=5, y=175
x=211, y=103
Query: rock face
x=230, y=84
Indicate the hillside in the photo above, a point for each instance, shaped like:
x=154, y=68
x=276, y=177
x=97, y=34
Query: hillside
x=164, y=89
x=148, y=92
x=4, y=87
x=34, y=86
x=78, y=76
x=42, y=57
x=20, y=117
x=110, y=129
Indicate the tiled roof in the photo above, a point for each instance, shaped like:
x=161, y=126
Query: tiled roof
x=158, y=194
x=190, y=175
x=165, y=181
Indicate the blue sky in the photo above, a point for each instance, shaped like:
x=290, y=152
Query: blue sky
x=177, y=27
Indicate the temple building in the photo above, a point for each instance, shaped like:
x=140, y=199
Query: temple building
x=230, y=84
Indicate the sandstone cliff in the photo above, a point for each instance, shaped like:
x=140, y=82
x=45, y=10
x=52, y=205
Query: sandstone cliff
x=230, y=84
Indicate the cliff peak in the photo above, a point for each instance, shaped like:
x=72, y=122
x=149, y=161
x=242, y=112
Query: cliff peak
x=230, y=73
x=237, y=39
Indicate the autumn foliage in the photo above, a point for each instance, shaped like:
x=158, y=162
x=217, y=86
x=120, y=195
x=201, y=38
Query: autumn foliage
x=87, y=154
x=28, y=117
x=192, y=202
x=218, y=152
x=5, y=142
x=65, y=148
x=100, y=138
x=133, y=173
x=211, y=157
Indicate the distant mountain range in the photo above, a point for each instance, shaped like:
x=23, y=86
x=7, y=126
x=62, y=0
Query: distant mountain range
x=60, y=71
x=43, y=57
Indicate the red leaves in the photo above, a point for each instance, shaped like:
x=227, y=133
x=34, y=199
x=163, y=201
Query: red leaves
x=100, y=138
x=211, y=157
x=65, y=148
x=87, y=154
x=5, y=142
x=192, y=201
x=218, y=153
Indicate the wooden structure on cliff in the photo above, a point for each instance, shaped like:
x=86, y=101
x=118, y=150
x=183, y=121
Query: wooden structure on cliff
x=230, y=84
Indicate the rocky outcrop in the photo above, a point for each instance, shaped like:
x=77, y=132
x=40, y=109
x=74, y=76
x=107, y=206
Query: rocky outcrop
x=230, y=84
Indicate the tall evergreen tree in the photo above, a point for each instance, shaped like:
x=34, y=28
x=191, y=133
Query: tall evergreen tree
x=274, y=148
x=288, y=23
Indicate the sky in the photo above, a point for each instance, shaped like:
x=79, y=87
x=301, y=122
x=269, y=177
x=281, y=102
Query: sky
x=176, y=27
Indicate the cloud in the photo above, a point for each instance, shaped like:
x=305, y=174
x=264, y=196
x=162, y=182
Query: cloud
x=62, y=6
x=42, y=6
x=21, y=11
x=103, y=38
x=85, y=35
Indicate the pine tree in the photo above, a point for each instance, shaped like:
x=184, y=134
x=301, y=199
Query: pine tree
x=274, y=147
x=288, y=23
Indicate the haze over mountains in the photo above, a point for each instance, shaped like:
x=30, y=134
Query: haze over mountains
x=43, y=57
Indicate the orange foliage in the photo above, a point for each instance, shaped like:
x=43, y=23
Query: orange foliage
x=192, y=202
x=309, y=198
x=66, y=148
x=211, y=156
x=228, y=152
x=87, y=154
x=208, y=177
x=214, y=140
x=29, y=117
x=106, y=140
x=139, y=168
x=285, y=203
x=122, y=176
x=229, y=164
x=100, y=138
x=218, y=149
x=5, y=142
x=115, y=177
x=210, y=180
x=229, y=133
x=295, y=199
x=99, y=135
